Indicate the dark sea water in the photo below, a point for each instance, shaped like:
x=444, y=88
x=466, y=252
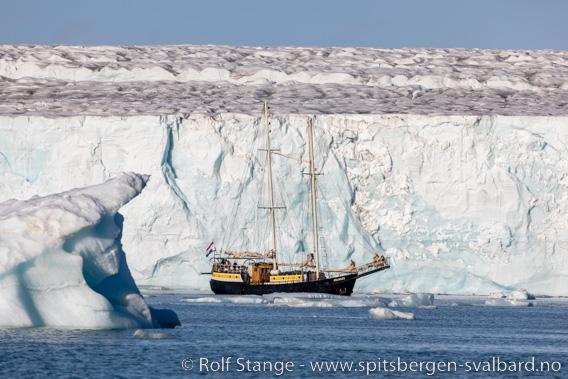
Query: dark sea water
x=289, y=342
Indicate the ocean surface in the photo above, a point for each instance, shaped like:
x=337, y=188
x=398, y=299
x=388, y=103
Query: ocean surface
x=229, y=339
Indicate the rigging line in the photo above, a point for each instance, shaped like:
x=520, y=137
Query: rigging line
x=307, y=213
x=232, y=225
x=242, y=190
x=367, y=244
x=295, y=234
x=289, y=214
x=285, y=220
x=324, y=157
x=249, y=169
x=298, y=234
x=301, y=216
x=289, y=211
x=279, y=239
x=256, y=234
x=260, y=196
x=361, y=231
x=263, y=233
x=262, y=227
x=326, y=211
x=232, y=217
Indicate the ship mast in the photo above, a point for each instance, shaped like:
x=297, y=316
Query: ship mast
x=270, y=187
x=313, y=189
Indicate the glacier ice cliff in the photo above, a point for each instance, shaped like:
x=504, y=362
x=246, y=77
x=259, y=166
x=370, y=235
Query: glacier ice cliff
x=451, y=162
x=62, y=262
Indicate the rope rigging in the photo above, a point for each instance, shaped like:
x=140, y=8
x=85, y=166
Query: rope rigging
x=292, y=238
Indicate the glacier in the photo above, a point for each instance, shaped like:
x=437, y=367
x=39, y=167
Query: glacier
x=62, y=263
x=451, y=162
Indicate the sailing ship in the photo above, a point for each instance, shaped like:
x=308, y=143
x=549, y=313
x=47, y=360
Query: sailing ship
x=253, y=273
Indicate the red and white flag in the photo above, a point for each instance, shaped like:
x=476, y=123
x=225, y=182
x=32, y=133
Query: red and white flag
x=210, y=249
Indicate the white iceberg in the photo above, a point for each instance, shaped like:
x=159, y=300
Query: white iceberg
x=510, y=303
x=521, y=294
x=427, y=307
x=413, y=301
x=518, y=298
x=62, y=263
x=300, y=300
x=227, y=299
x=388, y=314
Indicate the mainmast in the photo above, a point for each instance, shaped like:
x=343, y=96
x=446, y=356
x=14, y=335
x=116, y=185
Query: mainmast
x=313, y=189
x=270, y=186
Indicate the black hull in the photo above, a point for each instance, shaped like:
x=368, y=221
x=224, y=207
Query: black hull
x=342, y=285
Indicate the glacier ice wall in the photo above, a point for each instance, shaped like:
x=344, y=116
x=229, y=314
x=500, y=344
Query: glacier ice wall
x=62, y=264
x=461, y=204
x=454, y=160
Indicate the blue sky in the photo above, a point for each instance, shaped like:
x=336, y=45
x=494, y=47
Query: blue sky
x=501, y=24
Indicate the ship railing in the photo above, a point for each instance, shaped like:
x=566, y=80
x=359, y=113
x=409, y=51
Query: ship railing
x=230, y=269
x=337, y=273
x=372, y=267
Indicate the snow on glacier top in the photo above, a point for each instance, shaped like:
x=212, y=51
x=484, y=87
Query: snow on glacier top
x=63, y=81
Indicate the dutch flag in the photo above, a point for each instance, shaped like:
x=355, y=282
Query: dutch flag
x=210, y=249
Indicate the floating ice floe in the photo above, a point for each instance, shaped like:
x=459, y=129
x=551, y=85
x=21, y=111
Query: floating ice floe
x=519, y=298
x=296, y=300
x=413, y=301
x=326, y=301
x=427, y=307
x=227, y=299
x=388, y=314
x=145, y=335
x=510, y=302
x=521, y=294
x=62, y=263
x=307, y=304
x=518, y=294
x=322, y=300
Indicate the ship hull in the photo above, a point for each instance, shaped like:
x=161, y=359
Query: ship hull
x=337, y=286
x=342, y=285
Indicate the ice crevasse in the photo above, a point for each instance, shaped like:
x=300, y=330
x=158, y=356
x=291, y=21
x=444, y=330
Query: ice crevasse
x=62, y=263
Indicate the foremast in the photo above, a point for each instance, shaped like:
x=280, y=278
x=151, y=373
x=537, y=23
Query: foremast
x=313, y=190
x=269, y=154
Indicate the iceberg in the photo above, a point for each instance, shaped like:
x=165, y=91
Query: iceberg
x=521, y=294
x=227, y=299
x=518, y=298
x=62, y=263
x=388, y=314
x=415, y=300
x=450, y=162
x=510, y=303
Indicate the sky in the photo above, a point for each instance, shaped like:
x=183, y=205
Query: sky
x=486, y=24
